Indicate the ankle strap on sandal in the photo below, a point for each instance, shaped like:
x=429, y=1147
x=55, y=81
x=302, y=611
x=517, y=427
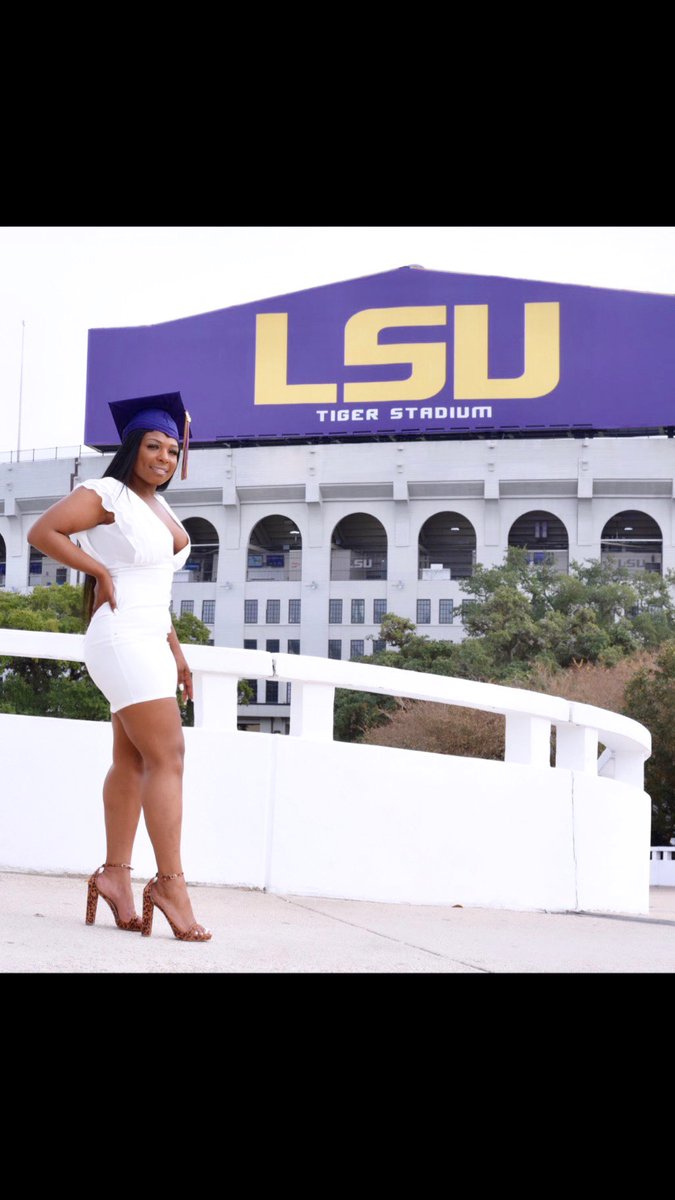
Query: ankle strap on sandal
x=127, y=866
x=176, y=875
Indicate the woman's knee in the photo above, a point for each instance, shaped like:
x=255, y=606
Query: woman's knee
x=130, y=762
x=169, y=755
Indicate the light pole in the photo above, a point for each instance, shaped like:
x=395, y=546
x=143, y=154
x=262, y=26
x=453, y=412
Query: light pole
x=18, y=436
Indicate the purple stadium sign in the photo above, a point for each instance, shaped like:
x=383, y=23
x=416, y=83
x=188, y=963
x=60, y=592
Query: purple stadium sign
x=408, y=352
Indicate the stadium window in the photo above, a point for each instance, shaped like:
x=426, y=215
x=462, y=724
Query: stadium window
x=424, y=612
x=379, y=609
x=293, y=612
x=273, y=615
x=334, y=612
x=186, y=606
x=445, y=612
x=250, y=612
x=358, y=612
x=208, y=611
x=334, y=648
x=357, y=648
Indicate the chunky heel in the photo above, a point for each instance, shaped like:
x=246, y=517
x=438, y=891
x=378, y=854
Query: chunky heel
x=148, y=911
x=93, y=894
x=92, y=901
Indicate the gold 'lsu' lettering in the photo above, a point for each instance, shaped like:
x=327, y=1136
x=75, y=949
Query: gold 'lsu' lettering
x=271, y=367
x=427, y=360
x=542, y=355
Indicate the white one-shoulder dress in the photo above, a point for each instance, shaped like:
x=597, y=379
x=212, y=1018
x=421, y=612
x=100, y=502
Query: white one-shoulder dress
x=126, y=649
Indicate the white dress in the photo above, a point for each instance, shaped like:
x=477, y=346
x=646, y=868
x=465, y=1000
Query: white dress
x=126, y=649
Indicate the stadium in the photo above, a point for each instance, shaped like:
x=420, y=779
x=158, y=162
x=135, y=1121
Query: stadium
x=359, y=447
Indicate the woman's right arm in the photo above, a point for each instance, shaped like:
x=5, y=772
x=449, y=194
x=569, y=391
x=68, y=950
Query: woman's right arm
x=81, y=510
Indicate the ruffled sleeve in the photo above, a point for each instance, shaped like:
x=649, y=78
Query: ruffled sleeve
x=108, y=489
x=115, y=498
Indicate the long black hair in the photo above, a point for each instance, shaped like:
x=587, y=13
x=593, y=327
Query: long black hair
x=122, y=468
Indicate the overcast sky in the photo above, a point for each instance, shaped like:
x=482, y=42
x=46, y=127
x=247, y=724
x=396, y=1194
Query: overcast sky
x=63, y=281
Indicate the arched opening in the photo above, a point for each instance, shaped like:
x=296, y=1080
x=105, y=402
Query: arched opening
x=358, y=548
x=274, y=550
x=3, y=562
x=203, y=561
x=545, y=538
x=447, y=547
x=634, y=540
x=44, y=571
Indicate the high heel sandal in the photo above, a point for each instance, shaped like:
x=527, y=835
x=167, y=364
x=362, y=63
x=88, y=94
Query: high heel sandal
x=193, y=934
x=93, y=893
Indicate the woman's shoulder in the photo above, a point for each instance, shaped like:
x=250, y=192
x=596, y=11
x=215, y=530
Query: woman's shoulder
x=112, y=491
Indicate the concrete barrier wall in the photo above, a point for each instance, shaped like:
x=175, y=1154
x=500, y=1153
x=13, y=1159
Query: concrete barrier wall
x=335, y=819
x=307, y=815
x=662, y=866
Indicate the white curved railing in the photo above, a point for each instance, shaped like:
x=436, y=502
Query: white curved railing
x=662, y=860
x=307, y=815
x=529, y=715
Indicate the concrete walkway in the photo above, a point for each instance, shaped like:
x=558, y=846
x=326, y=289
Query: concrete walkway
x=42, y=930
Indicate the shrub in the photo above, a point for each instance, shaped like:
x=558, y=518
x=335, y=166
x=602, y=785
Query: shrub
x=650, y=699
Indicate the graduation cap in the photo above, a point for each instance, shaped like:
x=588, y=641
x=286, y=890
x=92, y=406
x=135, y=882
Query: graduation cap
x=165, y=413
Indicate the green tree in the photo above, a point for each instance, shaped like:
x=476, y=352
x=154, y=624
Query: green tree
x=538, y=583
x=650, y=699
x=190, y=630
x=245, y=693
x=356, y=712
x=397, y=631
x=47, y=687
x=597, y=612
x=55, y=609
x=506, y=621
x=520, y=618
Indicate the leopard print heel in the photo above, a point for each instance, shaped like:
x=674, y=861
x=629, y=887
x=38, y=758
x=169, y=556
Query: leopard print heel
x=194, y=933
x=93, y=893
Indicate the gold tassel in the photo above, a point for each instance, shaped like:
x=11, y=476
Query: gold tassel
x=186, y=440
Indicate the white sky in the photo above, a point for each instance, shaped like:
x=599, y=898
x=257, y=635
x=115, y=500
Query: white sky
x=63, y=281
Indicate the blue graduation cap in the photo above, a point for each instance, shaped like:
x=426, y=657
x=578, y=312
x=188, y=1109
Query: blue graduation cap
x=165, y=413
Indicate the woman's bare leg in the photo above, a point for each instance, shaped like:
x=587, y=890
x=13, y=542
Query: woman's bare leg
x=122, y=807
x=154, y=729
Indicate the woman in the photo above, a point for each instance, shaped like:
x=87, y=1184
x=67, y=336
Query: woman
x=130, y=543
